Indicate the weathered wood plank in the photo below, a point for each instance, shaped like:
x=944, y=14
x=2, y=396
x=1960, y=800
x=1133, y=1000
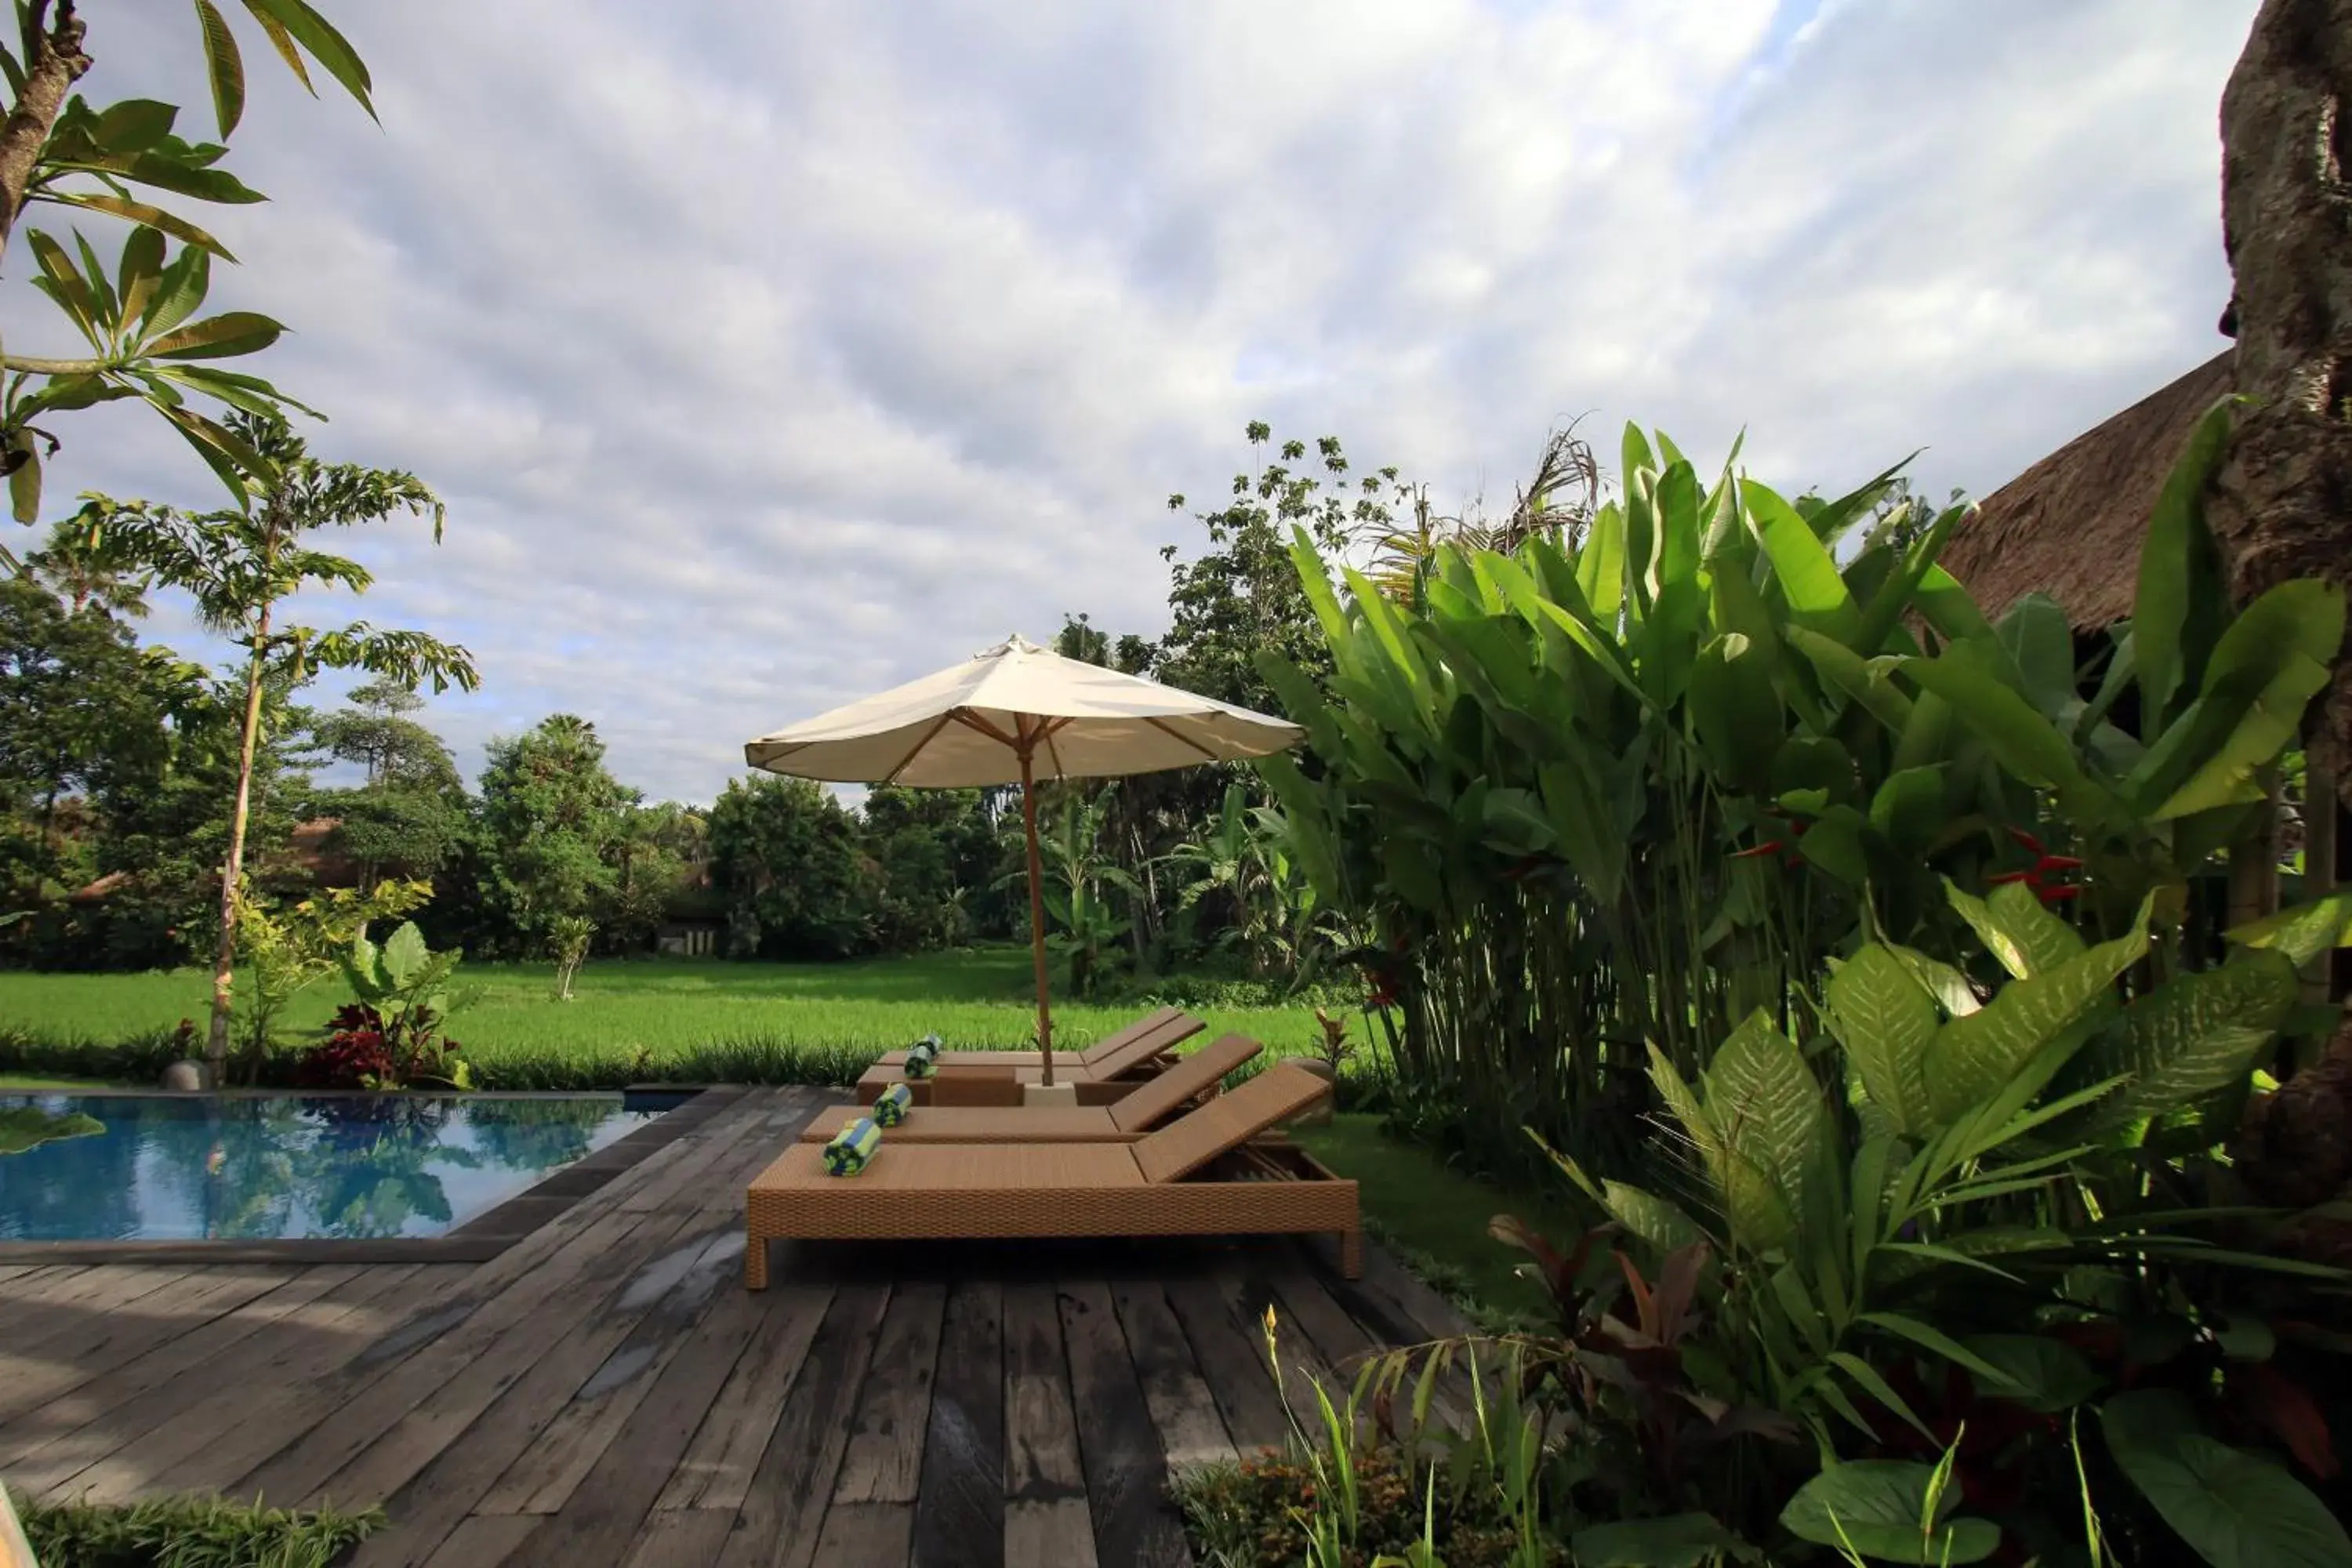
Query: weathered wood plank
x=787, y=1498
x=1183, y=1412
x=959, y=1502
x=199, y=1414
x=1232, y=1359
x=1041, y=1430
x=1126, y=1471
x=877, y=1533
x=105, y=1289
x=103, y=1342
x=437, y=1465
x=682, y=1538
x=544, y=1476
x=600, y=1517
x=885, y=1458
x=1055, y=1530
x=311, y=1296
x=717, y=1469
x=488, y=1540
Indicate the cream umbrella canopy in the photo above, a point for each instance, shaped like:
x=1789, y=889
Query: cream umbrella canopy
x=1014, y=714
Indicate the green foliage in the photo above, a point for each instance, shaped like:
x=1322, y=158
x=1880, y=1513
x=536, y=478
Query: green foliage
x=139, y=316
x=29, y=1127
x=785, y=857
x=2238, y=1510
x=191, y=1532
x=289, y=950
x=551, y=819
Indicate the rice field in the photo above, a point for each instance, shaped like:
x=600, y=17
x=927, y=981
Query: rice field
x=677, y=1019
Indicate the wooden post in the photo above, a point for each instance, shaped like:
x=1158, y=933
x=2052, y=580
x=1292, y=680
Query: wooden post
x=1036, y=901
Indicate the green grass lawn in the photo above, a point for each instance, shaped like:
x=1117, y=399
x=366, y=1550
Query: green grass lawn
x=1424, y=1206
x=654, y=1011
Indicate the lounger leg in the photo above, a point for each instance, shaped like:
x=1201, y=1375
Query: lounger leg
x=1352, y=1253
x=755, y=1263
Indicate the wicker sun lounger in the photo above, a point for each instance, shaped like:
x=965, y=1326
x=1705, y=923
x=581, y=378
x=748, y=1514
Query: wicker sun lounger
x=1176, y=1025
x=1197, y=1177
x=1136, y=1052
x=1133, y=1114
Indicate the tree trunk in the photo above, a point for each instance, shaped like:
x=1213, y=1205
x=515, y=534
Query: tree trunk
x=232, y=868
x=56, y=63
x=2279, y=507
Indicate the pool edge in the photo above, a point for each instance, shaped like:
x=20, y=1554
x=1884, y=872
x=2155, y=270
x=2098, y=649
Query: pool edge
x=478, y=1240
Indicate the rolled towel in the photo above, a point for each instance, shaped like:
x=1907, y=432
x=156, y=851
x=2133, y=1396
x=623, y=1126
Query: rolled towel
x=851, y=1147
x=922, y=1056
x=891, y=1107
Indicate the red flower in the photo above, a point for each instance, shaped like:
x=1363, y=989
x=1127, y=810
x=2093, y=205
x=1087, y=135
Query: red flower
x=2042, y=874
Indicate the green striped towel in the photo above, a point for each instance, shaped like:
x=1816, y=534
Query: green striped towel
x=891, y=1109
x=851, y=1147
x=922, y=1056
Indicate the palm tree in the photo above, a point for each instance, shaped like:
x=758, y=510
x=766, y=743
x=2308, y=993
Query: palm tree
x=78, y=568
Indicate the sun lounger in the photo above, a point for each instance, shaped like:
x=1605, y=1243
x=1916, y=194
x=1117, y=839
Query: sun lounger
x=1176, y=1025
x=1129, y=1118
x=1134, y=1053
x=1199, y=1175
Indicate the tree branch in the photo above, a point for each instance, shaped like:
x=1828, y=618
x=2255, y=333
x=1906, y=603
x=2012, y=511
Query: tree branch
x=37, y=366
x=54, y=62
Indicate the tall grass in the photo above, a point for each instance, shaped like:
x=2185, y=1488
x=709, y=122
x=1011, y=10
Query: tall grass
x=667, y=1020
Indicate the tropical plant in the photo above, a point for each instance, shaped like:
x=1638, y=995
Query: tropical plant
x=238, y=565
x=136, y=316
x=287, y=949
x=1083, y=925
x=571, y=935
x=403, y=990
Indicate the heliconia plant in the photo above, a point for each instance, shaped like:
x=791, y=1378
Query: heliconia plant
x=1615, y=792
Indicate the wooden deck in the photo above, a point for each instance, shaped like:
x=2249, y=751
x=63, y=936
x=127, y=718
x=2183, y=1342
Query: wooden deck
x=605, y=1391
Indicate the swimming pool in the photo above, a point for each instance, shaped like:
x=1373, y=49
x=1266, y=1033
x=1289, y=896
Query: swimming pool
x=274, y=1167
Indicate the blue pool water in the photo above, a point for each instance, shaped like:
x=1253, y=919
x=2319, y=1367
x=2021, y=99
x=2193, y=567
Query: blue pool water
x=263, y=1167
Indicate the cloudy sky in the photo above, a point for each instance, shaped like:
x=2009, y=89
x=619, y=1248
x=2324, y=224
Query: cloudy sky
x=768, y=354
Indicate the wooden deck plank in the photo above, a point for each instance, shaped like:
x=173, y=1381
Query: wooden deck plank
x=105, y=1340
x=870, y=1534
x=1183, y=1412
x=102, y=1289
x=211, y=1413
x=782, y=1509
x=597, y=1237
x=884, y=1460
x=960, y=1501
x=604, y=1514
x=1232, y=1359
x=681, y=1538
x=544, y=1476
x=1126, y=1472
x=488, y=1540
x=211, y=1345
x=717, y=1467
x=1056, y=1530
x=437, y=1464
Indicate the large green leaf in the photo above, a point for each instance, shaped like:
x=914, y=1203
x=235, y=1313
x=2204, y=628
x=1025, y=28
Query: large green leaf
x=1908, y=809
x=2045, y=941
x=1766, y=1106
x=1679, y=1541
x=2195, y=1034
x=1973, y=1058
x=224, y=66
x=1882, y=1509
x=2027, y=744
x=2235, y=1509
x=2042, y=645
x=2005, y=948
x=2303, y=931
x=1804, y=568
x=2178, y=604
x=2268, y=665
x=1886, y=1022
x=2042, y=1374
x=1863, y=680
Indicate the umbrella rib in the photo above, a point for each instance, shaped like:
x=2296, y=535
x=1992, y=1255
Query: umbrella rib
x=1162, y=727
x=972, y=720
x=916, y=750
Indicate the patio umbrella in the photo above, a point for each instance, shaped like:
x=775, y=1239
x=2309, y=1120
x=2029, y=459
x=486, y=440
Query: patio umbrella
x=1016, y=714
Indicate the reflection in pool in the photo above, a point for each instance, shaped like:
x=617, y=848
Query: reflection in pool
x=271, y=1166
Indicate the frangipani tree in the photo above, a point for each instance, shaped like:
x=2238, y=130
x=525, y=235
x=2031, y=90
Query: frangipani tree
x=139, y=318
x=238, y=564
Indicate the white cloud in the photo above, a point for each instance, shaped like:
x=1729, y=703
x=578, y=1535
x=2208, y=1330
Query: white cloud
x=766, y=356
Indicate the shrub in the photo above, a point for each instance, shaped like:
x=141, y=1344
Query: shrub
x=191, y=1532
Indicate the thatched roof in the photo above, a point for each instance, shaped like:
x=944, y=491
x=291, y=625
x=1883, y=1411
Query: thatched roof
x=2071, y=524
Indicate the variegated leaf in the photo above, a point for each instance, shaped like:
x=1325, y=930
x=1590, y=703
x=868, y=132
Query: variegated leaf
x=2195, y=1034
x=1766, y=1105
x=2045, y=941
x=1972, y=1058
x=1886, y=1022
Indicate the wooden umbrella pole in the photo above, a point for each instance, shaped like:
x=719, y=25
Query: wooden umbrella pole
x=1037, y=905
